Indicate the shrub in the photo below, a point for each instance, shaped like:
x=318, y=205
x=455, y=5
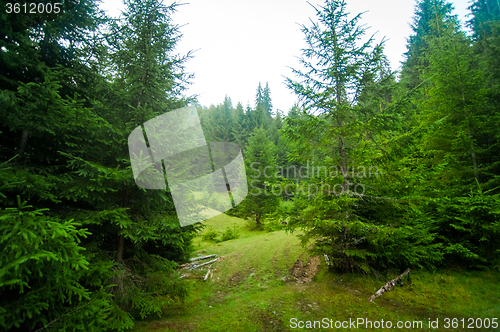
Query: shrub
x=231, y=233
x=273, y=224
x=210, y=235
x=279, y=219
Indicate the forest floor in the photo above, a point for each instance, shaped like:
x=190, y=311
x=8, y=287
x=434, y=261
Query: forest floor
x=267, y=282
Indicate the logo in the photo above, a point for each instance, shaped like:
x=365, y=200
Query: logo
x=204, y=179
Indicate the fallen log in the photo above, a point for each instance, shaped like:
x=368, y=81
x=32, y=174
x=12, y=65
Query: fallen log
x=206, y=275
x=389, y=285
x=200, y=265
x=188, y=266
x=191, y=276
x=327, y=260
x=203, y=257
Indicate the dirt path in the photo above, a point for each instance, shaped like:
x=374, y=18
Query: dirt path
x=304, y=274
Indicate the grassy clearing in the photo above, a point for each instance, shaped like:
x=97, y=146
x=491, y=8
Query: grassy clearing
x=251, y=290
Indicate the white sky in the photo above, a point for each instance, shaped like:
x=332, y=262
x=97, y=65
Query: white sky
x=240, y=43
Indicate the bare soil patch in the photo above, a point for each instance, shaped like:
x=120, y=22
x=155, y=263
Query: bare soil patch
x=236, y=278
x=304, y=273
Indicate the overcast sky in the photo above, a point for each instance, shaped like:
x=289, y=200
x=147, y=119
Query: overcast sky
x=241, y=43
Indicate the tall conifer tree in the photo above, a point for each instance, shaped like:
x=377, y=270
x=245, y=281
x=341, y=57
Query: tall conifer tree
x=260, y=159
x=334, y=64
x=421, y=26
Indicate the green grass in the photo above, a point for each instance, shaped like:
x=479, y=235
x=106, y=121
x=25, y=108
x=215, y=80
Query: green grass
x=247, y=292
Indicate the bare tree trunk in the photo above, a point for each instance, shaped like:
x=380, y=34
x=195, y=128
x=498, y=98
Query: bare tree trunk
x=342, y=152
x=343, y=166
x=22, y=144
x=119, y=257
x=343, y=156
x=389, y=285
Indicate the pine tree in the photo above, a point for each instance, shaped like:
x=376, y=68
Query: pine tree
x=260, y=159
x=219, y=126
x=455, y=96
x=240, y=130
x=48, y=87
x=484, y=15
x=139, y=226
x=421, y=26
x=266, y=100
x=485, y=24
x=334, y=65
x=259, y=98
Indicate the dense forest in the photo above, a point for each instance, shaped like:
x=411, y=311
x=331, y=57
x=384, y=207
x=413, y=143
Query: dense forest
x=380, y=169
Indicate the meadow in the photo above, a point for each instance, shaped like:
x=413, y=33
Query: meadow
x=258, y=285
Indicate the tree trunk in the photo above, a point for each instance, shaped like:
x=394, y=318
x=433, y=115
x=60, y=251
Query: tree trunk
x=473, y=153
x=389, y=285
x=22, y=144
x=343, y=167
x=45, y=44
x=466, y=113
x=121, y=238
x=119, y=257
x=203, y=257
x=343, y=157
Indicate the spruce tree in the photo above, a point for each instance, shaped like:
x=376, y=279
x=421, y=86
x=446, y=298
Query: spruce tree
x=139, y=227
x=457, y=150
x=260, y=160
x=484, y=15
x=334, y=62
x=456, y=98
x=340, y=131
x=219, y=126
x=485, y=24
x=260, y=116
x=48, y=83
x=421, y=26
x=240, y=129
x=266, y=100
x=259, y=96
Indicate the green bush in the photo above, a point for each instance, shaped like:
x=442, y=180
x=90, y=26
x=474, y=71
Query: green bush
x=273, y=224
x=231, y=233
x=210, y=235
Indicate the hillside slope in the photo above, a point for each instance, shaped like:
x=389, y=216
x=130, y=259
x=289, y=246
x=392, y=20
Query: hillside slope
x=267, y=282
